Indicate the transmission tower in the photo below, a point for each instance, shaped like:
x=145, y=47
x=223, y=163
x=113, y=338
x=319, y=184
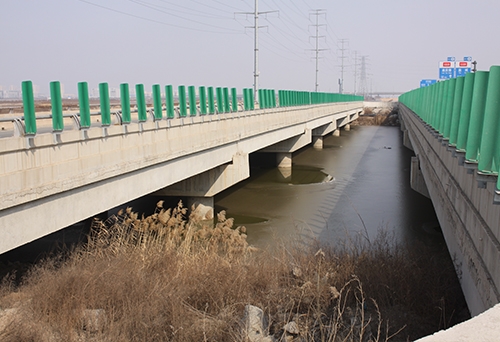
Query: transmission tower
x=342, y=58
x=256, y=28
x=317, y=13
x=355, y=70
x=363, y=86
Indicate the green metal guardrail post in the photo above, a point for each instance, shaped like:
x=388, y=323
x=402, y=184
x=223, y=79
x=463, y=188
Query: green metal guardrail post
x=246, y=103
x=477, y=116
x=203, y=100
x=192, y=100
x=450, y=96
x=463, y=126
x=220, y=100
x=489, y=159
x=83, y=100
x=252, y=99
x=141, y=103
x=234, y=100
x=57, y=111
x=261, y=99
x=104, y=101
x=211, y=101
x=457, y=104
x=125, y=102
x=157, y=105
x=29, y=108
x=182, y=101
x=225, y=94
x=169, y=101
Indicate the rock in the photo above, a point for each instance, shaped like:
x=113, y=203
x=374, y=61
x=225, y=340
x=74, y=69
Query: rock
x=255, y=325
x=291, y=328
x=93, y=320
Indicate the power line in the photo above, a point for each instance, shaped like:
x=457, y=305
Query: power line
x=161, y=22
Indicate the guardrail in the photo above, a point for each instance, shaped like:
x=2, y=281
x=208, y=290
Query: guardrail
x=465, y=113
x=209, y=101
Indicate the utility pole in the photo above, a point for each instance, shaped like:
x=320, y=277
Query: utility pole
x=317, y=13
x=342, y=57
x=256, y=28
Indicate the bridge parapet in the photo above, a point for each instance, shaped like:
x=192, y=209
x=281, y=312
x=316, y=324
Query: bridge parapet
x=453, y=127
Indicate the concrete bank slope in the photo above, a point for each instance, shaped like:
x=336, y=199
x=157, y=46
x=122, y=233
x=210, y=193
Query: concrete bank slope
x=484, y=327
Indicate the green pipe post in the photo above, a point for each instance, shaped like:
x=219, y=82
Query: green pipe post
x=83, y=100
x=455, y=115
x=225, y=94
x=29, y=108
x=246, y=104
x=141, y=102
x=192, y=100
x=220, y=100
x=182, y=101
x=104, y=101
x=477, y=116
x=169, y=101
x=490, y=143
x=252, y=99
x=57, y=110
x=261, y=99
x=450, y=96
x=211, y=101
x=463, y=125
x=234, y=98
x=157, y=102
x=203, y=100
x=125, y=102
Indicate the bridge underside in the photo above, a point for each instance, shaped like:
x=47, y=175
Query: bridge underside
x=464, y=204
x=48, y=185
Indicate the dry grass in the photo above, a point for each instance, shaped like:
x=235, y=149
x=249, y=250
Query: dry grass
x=165, y=278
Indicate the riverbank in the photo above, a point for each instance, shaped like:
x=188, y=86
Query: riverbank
x=166, y=278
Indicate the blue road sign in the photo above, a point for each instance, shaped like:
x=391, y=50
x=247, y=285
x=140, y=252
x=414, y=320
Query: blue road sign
x=450, y=59
x=446, y=70
x=426, y=83
x=468, y=59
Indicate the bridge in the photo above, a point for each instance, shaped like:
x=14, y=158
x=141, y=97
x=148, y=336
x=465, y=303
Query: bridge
x=453, y=127
x=57, y=169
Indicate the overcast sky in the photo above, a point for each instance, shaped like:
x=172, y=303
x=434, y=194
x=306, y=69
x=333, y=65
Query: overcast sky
x=207, y=42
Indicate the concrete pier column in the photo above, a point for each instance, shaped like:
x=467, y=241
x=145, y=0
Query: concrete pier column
x=336, y=133
x=204, y=206
x=284, y=160
x=347, y=127
x=318, y=142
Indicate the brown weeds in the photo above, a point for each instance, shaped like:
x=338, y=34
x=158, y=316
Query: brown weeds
x=168, y=278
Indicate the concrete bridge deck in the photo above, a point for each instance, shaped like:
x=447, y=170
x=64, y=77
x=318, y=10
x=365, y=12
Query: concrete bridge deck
x=50, y=181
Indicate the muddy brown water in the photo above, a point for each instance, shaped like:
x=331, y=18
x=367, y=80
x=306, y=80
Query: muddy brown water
x=358, y=184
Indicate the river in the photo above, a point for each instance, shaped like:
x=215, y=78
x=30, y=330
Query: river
x=357, y=184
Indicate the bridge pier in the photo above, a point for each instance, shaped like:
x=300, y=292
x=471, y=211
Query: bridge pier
x=201, y=188
x=284, y=160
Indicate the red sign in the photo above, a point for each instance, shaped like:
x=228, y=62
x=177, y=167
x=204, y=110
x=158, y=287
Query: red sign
x=463, y=64
x=447, y=64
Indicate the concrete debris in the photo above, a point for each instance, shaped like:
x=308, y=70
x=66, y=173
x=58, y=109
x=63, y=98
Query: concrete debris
x=255, y=325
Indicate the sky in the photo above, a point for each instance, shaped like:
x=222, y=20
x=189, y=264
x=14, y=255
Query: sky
x=211, y=42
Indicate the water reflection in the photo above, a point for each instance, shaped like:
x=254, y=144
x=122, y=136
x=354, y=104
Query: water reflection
x=355, y=185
